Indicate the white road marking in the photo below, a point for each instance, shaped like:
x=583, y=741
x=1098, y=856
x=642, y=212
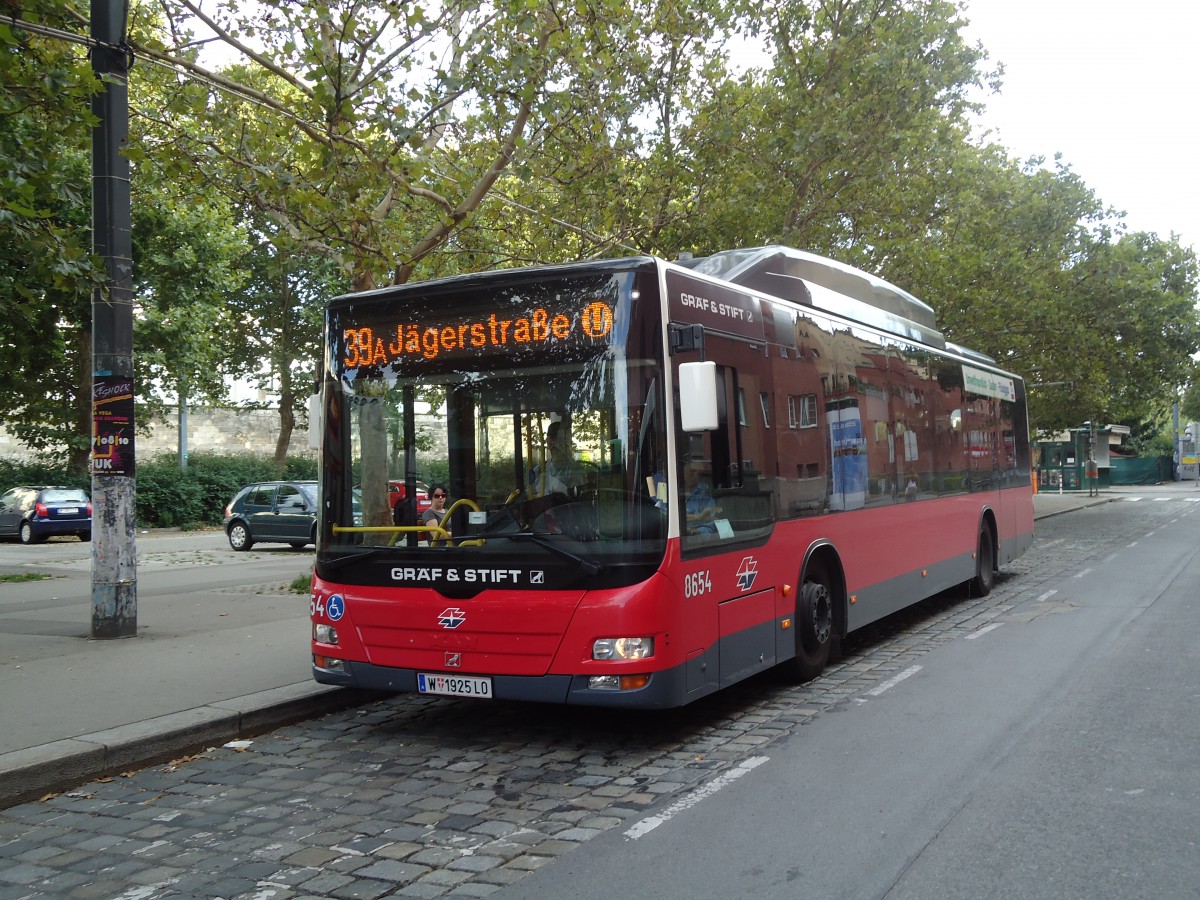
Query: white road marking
x=1084, y=572
x=893, y=681
x=984, y=630
x=645, y=826
x=1046, y=596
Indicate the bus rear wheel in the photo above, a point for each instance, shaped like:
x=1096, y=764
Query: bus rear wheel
x=985, y=565
x=814, y=626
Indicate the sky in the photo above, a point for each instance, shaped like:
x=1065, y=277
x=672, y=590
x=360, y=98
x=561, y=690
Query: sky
x=1112, y=85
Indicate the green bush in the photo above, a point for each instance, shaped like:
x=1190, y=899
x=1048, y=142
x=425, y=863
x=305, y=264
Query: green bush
x=168, y=498
x=13, y=474
x=165, y=498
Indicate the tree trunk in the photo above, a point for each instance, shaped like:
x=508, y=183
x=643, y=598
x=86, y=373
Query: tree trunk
x=283, y=365
x=287, y=422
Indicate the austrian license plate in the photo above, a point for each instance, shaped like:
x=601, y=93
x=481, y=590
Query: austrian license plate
x=68, y=510
x=455, y=685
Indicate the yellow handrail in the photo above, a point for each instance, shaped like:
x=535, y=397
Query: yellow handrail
x=376, y=529
x=462, y=501
x=394, y=530
x=437, y=532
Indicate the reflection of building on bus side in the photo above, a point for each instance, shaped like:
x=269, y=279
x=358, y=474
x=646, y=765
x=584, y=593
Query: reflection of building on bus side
x=895, y=416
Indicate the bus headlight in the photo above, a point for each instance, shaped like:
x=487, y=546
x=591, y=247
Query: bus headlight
x=623, y=648
x=325, y=634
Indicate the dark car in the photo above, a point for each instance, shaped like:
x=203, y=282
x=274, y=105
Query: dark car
x=35, y=513
x=281, y=512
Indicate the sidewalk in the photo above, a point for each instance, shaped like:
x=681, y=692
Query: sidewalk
x=221, y=654
x=1051, y=503
x=215, y=693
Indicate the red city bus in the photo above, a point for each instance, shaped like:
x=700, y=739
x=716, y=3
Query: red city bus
x=664, y=477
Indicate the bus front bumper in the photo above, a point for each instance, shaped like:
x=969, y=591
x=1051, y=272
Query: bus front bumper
x=665, y=689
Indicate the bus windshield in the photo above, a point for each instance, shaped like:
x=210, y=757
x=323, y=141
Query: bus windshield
x=520, y=420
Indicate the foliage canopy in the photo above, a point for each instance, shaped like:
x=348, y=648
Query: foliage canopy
x=284, y=152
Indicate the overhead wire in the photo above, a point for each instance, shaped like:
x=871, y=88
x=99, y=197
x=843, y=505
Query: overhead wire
x=198, y=74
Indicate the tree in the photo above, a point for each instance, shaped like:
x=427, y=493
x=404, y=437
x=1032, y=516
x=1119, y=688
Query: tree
x=47, y=274
x=1189, y=406
x=812, y=152
x=281, y=310
x=377, y=130
x=1137, y=300
x=188, y=276
x=370, y=133
x=347, y=143
x=46, y=269
x=1025, y=263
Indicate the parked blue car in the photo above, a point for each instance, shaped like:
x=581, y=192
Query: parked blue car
x=33, y=514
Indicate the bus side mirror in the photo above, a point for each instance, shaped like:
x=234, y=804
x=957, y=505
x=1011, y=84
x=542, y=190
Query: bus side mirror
x=698, y=396
x=314, y=421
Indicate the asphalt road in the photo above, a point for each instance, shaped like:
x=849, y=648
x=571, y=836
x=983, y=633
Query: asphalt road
x=1047, y=750
x=1035, y=743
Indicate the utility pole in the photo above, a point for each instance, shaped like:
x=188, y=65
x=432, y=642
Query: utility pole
x=114, y=554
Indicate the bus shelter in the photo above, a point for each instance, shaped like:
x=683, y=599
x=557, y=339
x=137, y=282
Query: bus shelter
x=1062, y=458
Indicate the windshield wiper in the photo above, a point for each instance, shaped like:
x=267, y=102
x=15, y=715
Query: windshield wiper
x=589, y=566
x=355, y=556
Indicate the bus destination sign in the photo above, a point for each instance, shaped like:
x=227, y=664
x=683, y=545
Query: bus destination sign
x=589, y=321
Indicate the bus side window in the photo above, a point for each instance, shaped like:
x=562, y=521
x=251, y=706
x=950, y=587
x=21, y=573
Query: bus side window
x=802, y=370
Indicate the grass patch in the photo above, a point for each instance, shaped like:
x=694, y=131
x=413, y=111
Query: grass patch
x=23, y=576
x=301, y=584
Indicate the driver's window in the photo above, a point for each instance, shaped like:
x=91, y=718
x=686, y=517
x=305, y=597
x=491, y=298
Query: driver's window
x=722, y=494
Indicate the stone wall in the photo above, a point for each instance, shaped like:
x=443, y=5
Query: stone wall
x=210, y=430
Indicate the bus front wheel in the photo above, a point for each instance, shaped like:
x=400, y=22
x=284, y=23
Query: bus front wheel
x=814, y=626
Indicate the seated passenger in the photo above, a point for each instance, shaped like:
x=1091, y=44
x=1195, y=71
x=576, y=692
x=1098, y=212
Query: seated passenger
x=559, y=474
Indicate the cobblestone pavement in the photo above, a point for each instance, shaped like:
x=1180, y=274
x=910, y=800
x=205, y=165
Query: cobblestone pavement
x=413, y=797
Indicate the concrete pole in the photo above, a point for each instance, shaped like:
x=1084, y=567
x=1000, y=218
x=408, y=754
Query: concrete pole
x=114, y=554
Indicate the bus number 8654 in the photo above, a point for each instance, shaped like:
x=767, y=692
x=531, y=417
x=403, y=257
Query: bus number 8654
x=697, y=583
